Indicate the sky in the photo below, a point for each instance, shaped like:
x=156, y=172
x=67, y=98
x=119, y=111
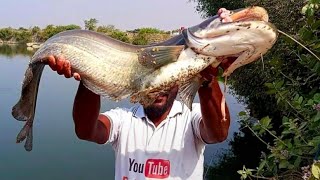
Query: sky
x=123, y=14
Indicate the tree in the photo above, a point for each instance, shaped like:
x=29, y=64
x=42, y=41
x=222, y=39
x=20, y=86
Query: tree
x=285, y=94
x=208, y=8
x=121, y=36
x=36, y=33
x=6, y=34
x=91, y=24
x=140, y=39
x=106, y=29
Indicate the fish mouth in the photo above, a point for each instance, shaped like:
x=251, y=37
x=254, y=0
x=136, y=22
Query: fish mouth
x=254, y=13
x=213, y=32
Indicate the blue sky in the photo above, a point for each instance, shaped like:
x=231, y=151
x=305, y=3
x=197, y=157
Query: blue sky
x=123, y=14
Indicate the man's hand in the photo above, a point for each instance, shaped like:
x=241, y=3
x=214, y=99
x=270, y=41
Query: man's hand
x=62, y=66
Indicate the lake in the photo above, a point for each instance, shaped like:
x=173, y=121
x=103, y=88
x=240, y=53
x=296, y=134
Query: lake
x=57, y=152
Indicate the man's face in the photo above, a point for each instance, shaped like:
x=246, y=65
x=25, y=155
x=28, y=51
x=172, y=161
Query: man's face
x=161, y=104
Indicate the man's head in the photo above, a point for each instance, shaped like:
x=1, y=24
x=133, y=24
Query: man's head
x=161, y=104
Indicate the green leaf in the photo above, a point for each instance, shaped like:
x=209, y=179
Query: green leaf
x=285, y=132
x=279, y=84
x=278, y=100
x=240, y=172
x=304, y=9
x=316, y=117
x=297, y=162
x=302, y=125
x=265, y=122
x=285, y=119
x=316, y=25
x=262, y=131
x=316, y=45
x=249, y=171
x=310, y=102
x=271, y=91
x=310, y=12
x=316, y=98
x=315, y=169
x=305, y=33
x=283, y=164
x=316, y=66
x=269, y=85
x=242, y=113
x=262, y=164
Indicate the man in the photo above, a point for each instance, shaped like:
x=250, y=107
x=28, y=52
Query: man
x=162, y=141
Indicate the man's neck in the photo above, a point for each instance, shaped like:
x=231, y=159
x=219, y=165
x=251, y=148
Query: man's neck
x=157, y=120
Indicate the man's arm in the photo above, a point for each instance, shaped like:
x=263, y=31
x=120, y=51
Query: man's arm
x=213, y=128
x=89, y=125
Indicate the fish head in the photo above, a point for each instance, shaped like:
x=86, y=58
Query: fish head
x=246, y=38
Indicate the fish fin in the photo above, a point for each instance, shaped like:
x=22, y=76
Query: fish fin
x=157, y=56
x=188, y=90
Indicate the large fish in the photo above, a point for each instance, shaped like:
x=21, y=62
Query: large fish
x=117, y=70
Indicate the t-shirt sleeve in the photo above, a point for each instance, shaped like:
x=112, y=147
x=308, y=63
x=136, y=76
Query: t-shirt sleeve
x=195, y=121
x=116, y=117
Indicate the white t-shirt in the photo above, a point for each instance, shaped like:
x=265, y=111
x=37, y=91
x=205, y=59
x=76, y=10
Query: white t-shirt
x=173, y=150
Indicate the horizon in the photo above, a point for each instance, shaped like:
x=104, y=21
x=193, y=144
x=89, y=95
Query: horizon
x=123, y=15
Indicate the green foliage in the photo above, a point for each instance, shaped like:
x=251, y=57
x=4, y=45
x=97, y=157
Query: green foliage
x=106, y=29
x=143, y=35
x=140, y=39
x=6, y=34
x=23, y=36
x=209, y=8
x=51, y=30
x=245, y=172
x=34, y=34
x=316, y=170
x=91, y=24
x=245, y=150
x=149, y=31
x=295, y=89
x=111, y=31
x=284, y=94
x=122, y=36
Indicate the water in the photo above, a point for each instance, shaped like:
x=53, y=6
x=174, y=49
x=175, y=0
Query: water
x=57, y=152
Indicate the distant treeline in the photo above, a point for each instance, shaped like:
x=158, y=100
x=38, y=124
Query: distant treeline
x=36, y=34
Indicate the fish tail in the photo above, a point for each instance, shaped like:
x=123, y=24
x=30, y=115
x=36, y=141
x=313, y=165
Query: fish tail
x=25, y=108
x=26, y=132
x=28, y=143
